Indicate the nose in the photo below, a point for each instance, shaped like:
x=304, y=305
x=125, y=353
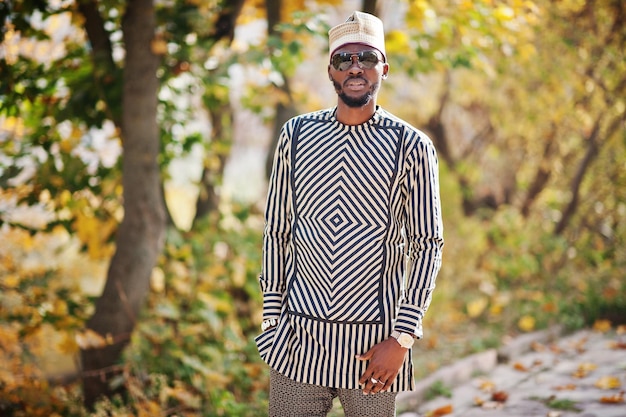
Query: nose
x=355, y=66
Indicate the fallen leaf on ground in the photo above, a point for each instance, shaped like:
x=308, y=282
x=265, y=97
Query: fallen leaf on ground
x=580, y=346
x=617, y=345
x=441, y=411
x=584, y=369
x=553, y=414
x=486, y=386
x=479, y=401
x=520, y=367
x=608, y=382
x=613, y=399
x=537, y=347
x=492, y=405
x=556, y=349
x=500, y=396
x=567, y=387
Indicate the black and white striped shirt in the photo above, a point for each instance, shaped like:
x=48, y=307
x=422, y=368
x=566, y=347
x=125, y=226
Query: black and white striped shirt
x=352, y=244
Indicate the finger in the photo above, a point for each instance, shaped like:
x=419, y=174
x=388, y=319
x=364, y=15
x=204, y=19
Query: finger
x=367, y=374
x=378, y=387
x=370, y=385
x=364, y=379
x=365, y=356
x=386, y=385
x=389, y=382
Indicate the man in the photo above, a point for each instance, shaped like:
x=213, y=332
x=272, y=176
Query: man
x=352, y=243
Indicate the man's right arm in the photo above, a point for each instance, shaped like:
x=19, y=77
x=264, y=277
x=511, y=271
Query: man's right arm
x=277, y=232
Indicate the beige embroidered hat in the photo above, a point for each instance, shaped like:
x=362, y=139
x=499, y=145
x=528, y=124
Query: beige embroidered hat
x=360, y=28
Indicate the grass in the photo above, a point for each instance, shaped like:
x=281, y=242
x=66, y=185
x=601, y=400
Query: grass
x=438, y=389
x=562, y=404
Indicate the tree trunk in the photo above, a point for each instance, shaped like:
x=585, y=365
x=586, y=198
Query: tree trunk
x=209, y=198
x=212, y=175
x=542, y=176
x=283, y=111
x=140, y=235
x=594, y=144
x=370, y=6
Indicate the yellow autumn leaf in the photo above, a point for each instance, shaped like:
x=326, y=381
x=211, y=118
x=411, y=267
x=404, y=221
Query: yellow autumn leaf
x=526, y=323
x=219, y=305
x=584, y=369
x=68, y=345
x=476, y=307
x=217, y=378
x=184, y=396
x=149, y=409
x=417, y=12
x=487, y=386
x=566, y=387
x=496, y=309
x=89, y=339
x=11, y=281
x=12, y=124
x=504, y=13
x=396, y=42
x=158, y=46
x=59, y=307
x=608, y=382
x=602, y=326
x=157, y=280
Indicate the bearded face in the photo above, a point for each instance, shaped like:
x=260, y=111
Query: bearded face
x=352, y=100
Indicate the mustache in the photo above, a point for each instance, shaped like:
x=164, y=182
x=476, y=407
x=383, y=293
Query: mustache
x=339, y=87
x=353, y=78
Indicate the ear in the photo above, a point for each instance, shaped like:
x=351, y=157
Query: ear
x=328, y=70
x=385, y=70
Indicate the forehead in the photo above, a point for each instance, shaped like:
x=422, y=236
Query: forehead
x=355, y=47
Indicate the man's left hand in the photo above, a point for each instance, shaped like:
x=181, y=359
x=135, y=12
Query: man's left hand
x=386, y=359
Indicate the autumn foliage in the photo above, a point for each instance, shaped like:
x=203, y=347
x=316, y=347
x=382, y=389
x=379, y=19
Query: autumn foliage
x=523, y=100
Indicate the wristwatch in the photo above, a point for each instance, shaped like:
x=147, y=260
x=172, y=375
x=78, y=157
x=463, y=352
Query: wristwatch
x=268, y=323
x=405, y=340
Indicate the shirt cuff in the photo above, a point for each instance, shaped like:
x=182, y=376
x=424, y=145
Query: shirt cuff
x=271, y=305
x=410, y=320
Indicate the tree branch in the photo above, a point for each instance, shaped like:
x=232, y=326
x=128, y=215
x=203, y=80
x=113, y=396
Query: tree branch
x=593, y=149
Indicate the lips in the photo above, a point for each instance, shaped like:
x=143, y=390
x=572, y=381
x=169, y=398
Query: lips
x=355, y=84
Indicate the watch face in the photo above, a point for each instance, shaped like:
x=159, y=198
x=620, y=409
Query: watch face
x=405, y=340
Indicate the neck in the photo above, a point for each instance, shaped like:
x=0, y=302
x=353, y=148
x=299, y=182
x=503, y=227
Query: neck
x=355, y=115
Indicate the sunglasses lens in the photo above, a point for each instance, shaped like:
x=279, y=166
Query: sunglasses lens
x=343, y=60
x=368, y=59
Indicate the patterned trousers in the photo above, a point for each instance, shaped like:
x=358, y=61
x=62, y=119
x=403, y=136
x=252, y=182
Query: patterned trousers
x=289, y=398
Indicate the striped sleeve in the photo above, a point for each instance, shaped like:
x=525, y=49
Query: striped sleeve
x=277, y=229
x=424, y=232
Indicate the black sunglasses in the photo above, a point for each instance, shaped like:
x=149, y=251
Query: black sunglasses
x=343, y=60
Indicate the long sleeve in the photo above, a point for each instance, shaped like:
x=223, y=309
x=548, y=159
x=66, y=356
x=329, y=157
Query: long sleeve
x=277, y=230
x=424, y=235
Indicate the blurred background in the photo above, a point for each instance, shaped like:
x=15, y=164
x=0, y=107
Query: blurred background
x=135, y=142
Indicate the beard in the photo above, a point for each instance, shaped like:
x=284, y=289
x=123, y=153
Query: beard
x=355, y=102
